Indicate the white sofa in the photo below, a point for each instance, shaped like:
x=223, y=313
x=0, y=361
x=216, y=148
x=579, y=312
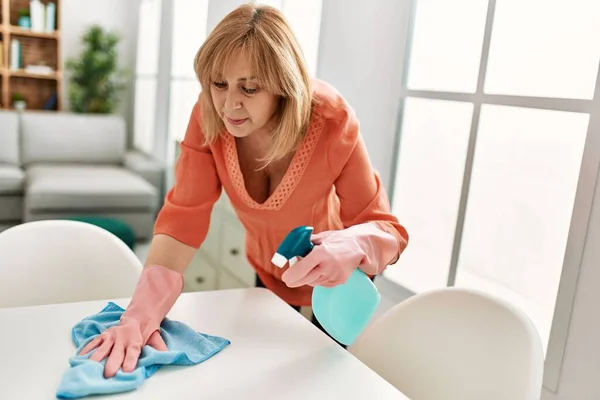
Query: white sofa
x=57, y=165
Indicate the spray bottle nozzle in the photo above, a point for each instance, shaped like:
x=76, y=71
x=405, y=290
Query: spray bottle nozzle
x=296, y=244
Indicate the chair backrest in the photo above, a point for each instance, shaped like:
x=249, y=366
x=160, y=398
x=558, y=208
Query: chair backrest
x=455, y=343
x=57, y=261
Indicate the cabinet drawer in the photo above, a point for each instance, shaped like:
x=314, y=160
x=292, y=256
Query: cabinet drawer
x=200, y=275
x=226, y=281
x=233, y=254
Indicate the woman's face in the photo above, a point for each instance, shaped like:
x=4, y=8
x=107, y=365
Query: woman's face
x=239, y=100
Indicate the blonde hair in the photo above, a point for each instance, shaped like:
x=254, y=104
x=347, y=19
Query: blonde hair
x=262, y=33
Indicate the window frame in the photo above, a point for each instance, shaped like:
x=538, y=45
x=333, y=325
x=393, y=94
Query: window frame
x=583, y=198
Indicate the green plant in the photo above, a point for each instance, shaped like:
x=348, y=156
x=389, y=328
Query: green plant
x=95, y=82
x=24, y=12
x=17, y=97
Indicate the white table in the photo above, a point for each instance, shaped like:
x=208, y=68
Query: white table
x=275, y=353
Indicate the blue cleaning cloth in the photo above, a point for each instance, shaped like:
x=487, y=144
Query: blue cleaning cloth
x=86, y=377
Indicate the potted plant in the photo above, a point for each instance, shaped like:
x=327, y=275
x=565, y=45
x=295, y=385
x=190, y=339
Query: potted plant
x=24, y=18
x=19, y=102
x=95, y=83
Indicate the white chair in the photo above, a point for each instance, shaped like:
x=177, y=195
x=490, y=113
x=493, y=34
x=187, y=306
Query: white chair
x=455, y=344
x=56, y=261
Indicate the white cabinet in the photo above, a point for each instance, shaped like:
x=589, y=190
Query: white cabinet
x=221, y=261
x=226, y=281
x=200, y=275
x=233, y=256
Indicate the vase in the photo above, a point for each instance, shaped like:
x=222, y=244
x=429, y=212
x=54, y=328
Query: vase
x=24, y=22
x=19, y=105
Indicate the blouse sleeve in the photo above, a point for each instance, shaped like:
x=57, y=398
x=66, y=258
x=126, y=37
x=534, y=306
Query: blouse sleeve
x=185, y=215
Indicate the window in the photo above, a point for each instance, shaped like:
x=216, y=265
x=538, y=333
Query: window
x=146, y=74
x=440, y=130
x=305, y=19
x=494, y=178
x=549, y=53
x=189, y=32
x=175, y=35
x=445, y=35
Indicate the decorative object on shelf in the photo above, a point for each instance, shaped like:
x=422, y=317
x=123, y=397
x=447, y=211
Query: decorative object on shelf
x=37, y=11
x=39, y=69
x=19, y=102
x=95, y=82
x=50, y=17
x=24, y=18
x=15, y=54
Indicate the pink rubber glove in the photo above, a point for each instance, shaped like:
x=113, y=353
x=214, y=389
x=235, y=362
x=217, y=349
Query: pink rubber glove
x=155, y=294
x=337, y=253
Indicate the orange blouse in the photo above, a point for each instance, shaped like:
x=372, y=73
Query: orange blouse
x=330, y=184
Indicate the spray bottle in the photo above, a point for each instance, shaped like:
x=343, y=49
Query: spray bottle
x=344, y=311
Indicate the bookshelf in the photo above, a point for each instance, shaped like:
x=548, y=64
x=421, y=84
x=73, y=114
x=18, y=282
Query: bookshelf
x=38, y=47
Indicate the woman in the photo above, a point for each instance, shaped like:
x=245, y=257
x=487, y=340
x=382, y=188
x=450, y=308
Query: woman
x=288, y=152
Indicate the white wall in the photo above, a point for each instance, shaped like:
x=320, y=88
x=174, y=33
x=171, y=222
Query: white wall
x=361, y=54
x=118, y=15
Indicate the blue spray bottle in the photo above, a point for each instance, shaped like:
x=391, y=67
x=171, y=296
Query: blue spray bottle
x=344, y=311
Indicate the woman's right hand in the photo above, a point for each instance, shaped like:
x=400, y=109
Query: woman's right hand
x=122, y=345
x=156, y=292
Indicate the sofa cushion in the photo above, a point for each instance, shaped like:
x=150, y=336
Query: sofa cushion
x=9, y=138
x=145, y=166
x=87, y=187
x=12, y=179
x=73, y=138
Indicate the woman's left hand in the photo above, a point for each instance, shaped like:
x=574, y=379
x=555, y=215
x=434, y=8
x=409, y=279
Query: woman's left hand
x=331, y=262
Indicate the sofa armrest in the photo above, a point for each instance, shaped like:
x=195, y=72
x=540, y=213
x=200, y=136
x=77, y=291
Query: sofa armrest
x=147, y=167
